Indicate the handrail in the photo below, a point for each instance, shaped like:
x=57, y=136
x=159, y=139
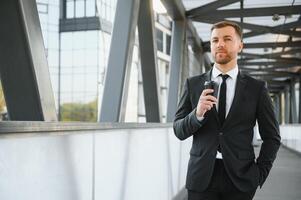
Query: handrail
x=16, y=127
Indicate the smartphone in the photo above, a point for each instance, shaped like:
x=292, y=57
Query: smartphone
x=211, y=85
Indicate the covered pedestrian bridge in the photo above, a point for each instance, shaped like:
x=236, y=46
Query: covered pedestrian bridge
x=43, y=157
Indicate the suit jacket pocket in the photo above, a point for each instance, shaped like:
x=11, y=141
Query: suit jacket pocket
x=246, y=155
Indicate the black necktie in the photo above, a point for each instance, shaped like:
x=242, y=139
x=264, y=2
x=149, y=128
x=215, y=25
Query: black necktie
x=222, y=99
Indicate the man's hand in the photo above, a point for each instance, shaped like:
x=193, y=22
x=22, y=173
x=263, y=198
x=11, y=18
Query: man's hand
x=206, y=102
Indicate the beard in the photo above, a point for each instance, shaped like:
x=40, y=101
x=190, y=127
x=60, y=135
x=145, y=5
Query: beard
x=222, y=58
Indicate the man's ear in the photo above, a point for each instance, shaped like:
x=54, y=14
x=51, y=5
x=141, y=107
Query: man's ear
x=241, y=45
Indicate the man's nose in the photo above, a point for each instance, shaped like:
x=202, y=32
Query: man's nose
x=220, y=43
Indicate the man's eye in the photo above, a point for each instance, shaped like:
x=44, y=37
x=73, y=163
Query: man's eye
x=214, y=41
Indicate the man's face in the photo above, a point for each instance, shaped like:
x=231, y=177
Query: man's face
x=225, y=44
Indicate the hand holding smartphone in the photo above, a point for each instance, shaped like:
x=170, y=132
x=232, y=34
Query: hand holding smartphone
x=207, y=99
x=211, y=85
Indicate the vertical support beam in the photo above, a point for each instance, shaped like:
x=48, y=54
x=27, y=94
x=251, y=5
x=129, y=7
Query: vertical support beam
x=149, y=66
x=277, y=107
x=63, y=9
x=120, y=60
x=287, y=105
x=293, y=102
x=282, y=112
x=177, y=57
x=299, y=99
x=23, y=64
x=280, y=108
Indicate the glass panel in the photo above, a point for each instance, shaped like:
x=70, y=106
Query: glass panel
x=79, y=58
x=66, y=58
x=42, y=8
x=53, y=40
x=91, y=59
x=80, y=68
x=53, y=15
x=66, y=41
x=159, y=39
x=90, y=8
x=91, y=40
x=168, y=44
x=80, y=8
x=70, y=9
x=53, y=59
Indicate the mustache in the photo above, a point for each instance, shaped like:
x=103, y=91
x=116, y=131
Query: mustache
x=221, y=50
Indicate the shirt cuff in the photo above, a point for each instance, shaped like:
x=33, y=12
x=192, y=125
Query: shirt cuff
x=200, y=118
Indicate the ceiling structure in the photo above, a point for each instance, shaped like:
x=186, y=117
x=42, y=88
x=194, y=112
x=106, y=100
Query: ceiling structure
x=272, y=35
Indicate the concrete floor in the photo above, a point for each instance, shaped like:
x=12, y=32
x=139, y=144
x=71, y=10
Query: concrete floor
x=284, y=181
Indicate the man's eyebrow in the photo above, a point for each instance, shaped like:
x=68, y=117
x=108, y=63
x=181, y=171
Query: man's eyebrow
x=226, y=36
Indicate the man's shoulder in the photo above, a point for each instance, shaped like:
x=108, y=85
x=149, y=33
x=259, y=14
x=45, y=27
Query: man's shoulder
x=253, y=81
x=197, y=78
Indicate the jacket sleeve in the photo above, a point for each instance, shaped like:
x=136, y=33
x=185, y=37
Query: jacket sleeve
x=269, y=132
x=186, y=123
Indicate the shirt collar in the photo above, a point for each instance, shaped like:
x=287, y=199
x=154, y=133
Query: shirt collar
x=232, y=73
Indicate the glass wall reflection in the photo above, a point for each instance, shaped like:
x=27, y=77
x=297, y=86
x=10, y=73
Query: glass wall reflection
x=78, y=59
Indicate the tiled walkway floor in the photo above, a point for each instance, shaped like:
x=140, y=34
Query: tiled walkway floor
x=284, y=181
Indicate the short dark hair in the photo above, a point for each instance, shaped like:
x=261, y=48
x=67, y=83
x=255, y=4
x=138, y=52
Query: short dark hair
x=223, y=24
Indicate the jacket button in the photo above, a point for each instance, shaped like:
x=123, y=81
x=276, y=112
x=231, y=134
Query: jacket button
x=220, y=133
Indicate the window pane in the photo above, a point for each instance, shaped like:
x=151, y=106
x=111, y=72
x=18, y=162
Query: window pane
x=70, y=9
x=168, y=44
x=90, y=8
x=42, y=8
x=159, y=38
x=80, y=8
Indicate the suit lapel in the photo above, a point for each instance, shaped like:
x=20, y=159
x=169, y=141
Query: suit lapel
x=239, y=91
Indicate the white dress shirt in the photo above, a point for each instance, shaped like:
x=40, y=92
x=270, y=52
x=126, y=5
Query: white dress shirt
x=231, y=84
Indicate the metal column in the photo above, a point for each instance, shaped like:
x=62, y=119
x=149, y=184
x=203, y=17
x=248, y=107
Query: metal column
x=120, y=60
x=23, y=65
x=280, y=108
x=177, y=57
x=149, y=67
x=275, y=105
x=287, y=105
x=185, y=68
x=299, y=99
x=293, y=113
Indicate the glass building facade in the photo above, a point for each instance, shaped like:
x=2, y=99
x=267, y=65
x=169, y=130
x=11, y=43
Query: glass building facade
x=77, y=36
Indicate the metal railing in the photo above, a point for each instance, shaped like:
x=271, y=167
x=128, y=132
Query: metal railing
x=291, y=136
x=40, y=160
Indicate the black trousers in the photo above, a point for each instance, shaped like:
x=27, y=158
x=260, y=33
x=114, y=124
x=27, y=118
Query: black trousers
x=221, y=187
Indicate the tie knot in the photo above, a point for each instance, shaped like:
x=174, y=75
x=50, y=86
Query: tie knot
x=224, y=77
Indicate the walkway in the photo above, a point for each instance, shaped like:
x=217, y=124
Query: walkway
x=284, y=181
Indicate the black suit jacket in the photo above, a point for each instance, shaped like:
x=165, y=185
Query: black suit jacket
x=251, y=102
